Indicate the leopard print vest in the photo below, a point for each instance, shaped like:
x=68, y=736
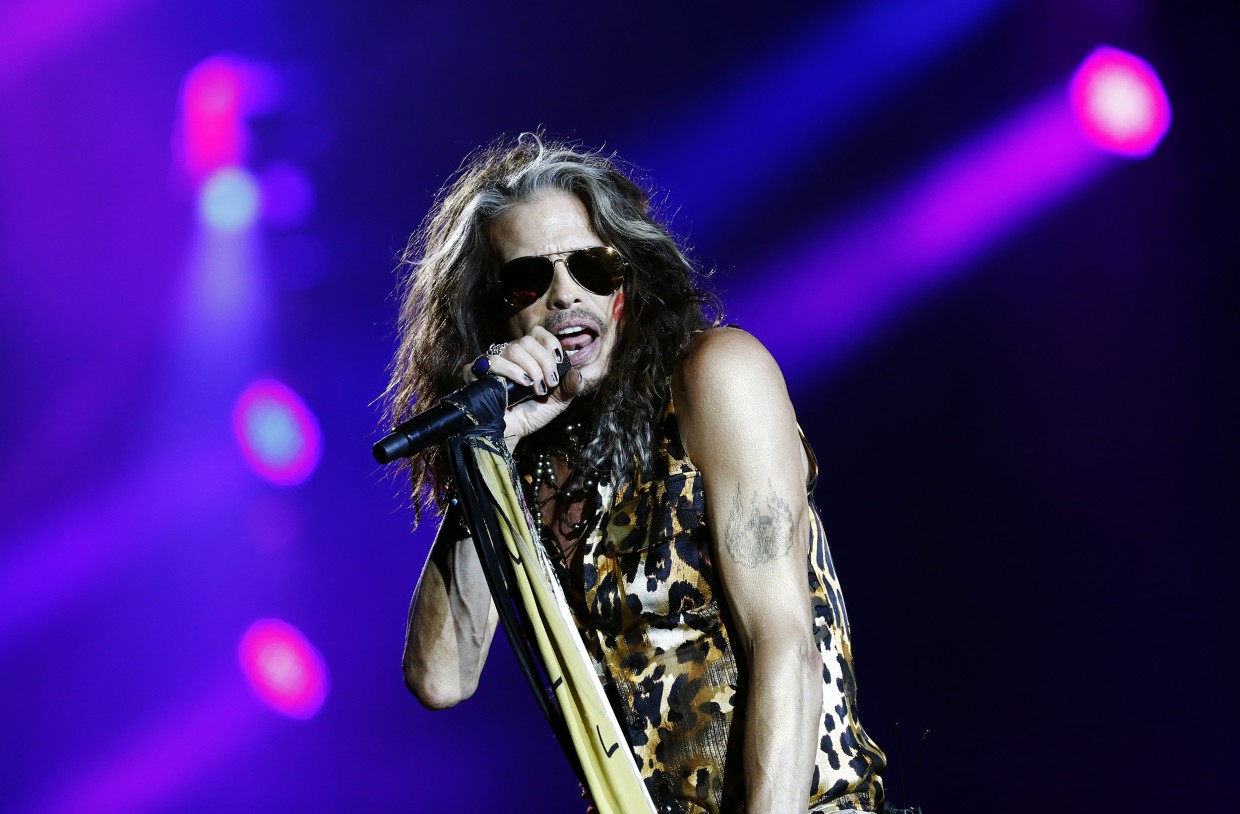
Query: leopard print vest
x=651, y=612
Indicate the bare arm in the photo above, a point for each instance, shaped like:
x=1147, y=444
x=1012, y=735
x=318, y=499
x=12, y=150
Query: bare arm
x=452, y=617
x=738, y=426
x=452, y=620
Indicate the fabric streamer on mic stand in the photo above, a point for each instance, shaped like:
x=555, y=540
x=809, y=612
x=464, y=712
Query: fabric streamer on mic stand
x=532, y=608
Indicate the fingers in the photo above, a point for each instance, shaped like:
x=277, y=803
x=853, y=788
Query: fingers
x=548, y=353
x=520, y=365
x=573, y=384
x=531, y=360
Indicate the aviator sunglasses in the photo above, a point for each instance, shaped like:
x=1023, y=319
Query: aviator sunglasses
x=522, y=280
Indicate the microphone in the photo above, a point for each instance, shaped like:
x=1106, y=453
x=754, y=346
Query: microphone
x=446, y=419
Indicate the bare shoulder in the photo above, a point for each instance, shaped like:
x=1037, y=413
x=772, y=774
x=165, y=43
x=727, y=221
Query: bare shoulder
x=728, y=387
x=720, y=357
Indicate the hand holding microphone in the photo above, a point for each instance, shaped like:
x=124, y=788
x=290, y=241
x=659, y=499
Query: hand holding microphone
x=536, y=361
x=532, y=402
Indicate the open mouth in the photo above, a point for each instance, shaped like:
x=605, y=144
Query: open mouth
x=579, y=338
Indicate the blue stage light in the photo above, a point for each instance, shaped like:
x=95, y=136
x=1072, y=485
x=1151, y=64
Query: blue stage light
x=229, y=201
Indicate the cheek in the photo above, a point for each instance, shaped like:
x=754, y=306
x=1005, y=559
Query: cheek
x=516, y=328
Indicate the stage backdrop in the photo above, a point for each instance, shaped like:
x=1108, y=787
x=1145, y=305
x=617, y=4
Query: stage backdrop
x=991, y=243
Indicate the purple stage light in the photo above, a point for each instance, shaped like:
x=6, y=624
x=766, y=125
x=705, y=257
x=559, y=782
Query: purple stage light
x=90, y=541
x=861, y=274
x=229, y=200
x=288, y=195
x=159, y=765
x=801, y=98
x=279, y=436
x=1120, y=102
x=285, y=671
x=32, y=31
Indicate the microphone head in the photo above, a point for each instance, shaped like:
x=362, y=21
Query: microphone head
x=392, y=447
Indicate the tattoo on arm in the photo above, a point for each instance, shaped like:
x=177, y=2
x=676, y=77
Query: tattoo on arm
x=759, y=531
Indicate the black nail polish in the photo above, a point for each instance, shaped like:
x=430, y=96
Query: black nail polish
x=555, y=379
x=559, y=356
x=543, y=387
x=528, y=380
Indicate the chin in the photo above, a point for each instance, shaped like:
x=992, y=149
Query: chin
x=589, y=380
x=593, y=372
x=588, y=387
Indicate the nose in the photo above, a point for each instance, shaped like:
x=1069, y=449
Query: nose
x=564, y=292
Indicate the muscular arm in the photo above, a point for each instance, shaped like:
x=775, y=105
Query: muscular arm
x=451, y=622
x=738, y=426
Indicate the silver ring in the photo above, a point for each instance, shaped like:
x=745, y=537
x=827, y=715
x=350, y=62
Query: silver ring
x=497, y=348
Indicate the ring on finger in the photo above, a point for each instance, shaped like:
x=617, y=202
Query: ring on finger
x=497, y=348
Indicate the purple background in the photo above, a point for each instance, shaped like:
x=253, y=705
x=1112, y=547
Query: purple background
x=1015, y=361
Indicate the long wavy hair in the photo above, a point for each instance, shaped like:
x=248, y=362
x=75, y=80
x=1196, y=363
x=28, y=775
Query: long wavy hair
x=448, y=315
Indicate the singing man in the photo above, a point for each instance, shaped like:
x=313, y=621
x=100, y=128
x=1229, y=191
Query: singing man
x=666, y=472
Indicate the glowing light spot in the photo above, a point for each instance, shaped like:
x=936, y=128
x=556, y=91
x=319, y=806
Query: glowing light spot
x=213, y=131
x=279, y=436
x=285, y=671
x=217, y=97
x=1120, y=102
x=229, y=200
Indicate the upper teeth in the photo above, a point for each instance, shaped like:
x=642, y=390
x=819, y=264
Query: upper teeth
x=569, y=331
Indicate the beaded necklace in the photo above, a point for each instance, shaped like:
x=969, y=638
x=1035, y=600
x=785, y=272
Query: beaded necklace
x=566, y=505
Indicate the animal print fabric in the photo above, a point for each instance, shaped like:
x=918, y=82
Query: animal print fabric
x=660, y=636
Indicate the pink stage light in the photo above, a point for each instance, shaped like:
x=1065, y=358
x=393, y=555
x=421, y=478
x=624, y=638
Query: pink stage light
x=285, y=671
x=278, y=434
x=211, y=104
x=1120, y=102
x=217, y=97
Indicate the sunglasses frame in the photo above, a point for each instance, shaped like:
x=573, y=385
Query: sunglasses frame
x=610, y=253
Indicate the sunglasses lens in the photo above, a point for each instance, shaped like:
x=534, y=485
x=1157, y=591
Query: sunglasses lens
x=597, y=269
x=522, y=281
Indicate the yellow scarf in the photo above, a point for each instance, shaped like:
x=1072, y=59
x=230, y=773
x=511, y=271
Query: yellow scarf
x=607, y=766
